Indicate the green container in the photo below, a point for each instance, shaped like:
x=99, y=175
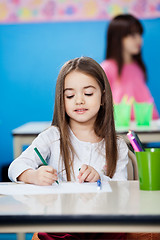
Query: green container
x=122, y=114
x=149, y=169
x=143, y=113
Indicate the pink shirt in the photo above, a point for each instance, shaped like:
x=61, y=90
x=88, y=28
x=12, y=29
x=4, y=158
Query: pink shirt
x=131, y=83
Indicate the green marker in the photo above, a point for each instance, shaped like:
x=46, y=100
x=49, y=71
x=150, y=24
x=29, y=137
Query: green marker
x=42, y=159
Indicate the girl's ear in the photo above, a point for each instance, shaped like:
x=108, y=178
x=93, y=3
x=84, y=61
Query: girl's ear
x=102, y=98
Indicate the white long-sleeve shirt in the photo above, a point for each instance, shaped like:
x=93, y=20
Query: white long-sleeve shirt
x=48, y=143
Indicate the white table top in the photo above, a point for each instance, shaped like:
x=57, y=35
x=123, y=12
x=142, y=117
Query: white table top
x=125, y=204
x=154, y=127
x=32, y=128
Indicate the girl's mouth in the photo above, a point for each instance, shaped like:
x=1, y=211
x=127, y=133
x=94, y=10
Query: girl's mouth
x=81, y=110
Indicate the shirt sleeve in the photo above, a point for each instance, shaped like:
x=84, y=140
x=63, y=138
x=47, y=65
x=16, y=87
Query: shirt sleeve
x=29, y=159
x=121, y=168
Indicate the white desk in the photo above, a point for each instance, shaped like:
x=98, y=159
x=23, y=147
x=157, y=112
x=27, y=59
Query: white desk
x=146, y=134
x=125, y=209
x=26, y=133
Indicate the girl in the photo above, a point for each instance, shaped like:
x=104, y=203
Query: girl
x=124, y=66
x=82, y=134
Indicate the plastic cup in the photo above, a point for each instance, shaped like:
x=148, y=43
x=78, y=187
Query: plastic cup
x=143, y=113
x=122, y=114
x=149, y=169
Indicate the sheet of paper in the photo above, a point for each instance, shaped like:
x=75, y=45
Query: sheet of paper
x=64, y=187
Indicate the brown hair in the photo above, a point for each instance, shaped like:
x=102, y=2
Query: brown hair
x=120, y=27
x=104, y=125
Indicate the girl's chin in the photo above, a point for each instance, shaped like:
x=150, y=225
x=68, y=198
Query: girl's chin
x=137, y=51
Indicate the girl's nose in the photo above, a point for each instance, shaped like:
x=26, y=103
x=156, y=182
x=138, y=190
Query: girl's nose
x=79, y=100
x=139, y=38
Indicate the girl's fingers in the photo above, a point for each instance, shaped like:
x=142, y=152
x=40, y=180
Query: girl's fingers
x=95, y=178
x=46, y=175
x=90, y=177
x=51, y=170
x=55, y=172
x=83, y=169
x=47, y=182
x=85, y=175
x=50, y=175
x=47, y=170
x=88, y=174
x=44, y=181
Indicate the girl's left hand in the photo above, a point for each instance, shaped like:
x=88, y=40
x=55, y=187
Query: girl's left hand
x=88, y=174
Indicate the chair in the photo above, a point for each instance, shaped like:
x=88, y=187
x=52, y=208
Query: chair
x=132, y=168
x=35, y=236
x=129, y=236
x=143, y=236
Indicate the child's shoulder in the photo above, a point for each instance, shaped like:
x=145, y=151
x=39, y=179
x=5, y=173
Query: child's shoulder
x=52, y=134
x=122, y=149
x=109, y=63
x=111, y=69
x=121, y=142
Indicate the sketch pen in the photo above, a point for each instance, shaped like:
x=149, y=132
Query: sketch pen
x=138, y=140
x=99, y=184
x=136, y=143
x=132, y=142
x=42, y=159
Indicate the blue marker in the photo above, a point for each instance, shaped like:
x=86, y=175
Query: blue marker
x=99, y=184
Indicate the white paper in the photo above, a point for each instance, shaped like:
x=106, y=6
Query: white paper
x=64, y=187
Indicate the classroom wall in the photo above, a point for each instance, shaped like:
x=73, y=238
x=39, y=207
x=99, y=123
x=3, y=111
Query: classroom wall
x=31, y=56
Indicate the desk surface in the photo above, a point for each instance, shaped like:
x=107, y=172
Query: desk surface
x=32, y=128
x=25, y=134
x=126, y=208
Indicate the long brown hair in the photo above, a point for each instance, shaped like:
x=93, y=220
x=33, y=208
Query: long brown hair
x=104, y=125
x=120, y=27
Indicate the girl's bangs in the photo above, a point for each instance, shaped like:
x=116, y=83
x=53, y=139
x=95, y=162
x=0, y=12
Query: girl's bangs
x=135, y=28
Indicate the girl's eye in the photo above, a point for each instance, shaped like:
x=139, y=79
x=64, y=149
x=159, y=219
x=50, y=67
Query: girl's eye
x=134, y=35
x=88, y=94
x=71, y=96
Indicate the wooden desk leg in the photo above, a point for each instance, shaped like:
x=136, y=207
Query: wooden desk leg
x=17, y=146
x=19, y=141
x=21, y=236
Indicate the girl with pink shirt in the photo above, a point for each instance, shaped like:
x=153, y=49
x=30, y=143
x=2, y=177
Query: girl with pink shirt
x=124, y=66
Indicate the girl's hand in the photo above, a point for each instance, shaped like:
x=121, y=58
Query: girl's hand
x=44, y=175
x=88, y=174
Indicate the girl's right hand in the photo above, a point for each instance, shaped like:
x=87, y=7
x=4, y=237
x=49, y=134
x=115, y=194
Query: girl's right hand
x=44, y=176
x=88, y=174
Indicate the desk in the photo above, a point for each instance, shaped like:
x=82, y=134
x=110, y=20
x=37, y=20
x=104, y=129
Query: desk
x=26, y=133
x=125, y=209
x=146, y=134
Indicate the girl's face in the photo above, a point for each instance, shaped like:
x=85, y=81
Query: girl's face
x=132, y=44
x=82, y=97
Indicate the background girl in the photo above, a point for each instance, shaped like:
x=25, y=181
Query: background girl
x=123, y=65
